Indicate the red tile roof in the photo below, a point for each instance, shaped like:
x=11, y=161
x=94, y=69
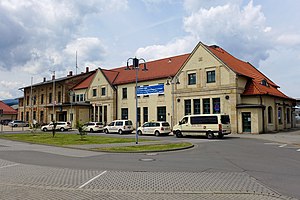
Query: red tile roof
x=7, y=110
x=157, y=69
x=166, y=67
x=85, y=83
x=254, y=86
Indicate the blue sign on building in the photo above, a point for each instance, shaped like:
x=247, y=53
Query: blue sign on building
x=151, y=89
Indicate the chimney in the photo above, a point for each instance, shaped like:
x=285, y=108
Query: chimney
x=70, y=73
x=53, y=77
x=86, y=69
x=44, y=80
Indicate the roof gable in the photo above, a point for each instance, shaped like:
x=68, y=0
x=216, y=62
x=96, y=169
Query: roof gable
x=239, y=66
x=254, y=85
x=85, y=83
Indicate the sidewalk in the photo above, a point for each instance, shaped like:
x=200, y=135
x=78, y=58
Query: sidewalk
x=291, y=136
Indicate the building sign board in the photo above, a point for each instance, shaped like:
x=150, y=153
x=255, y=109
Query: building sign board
x=150, y=90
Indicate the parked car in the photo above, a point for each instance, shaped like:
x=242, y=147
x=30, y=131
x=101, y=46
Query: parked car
x=93, y=127
x=18, y=123
x=5, y=121
x=155, y=128
x=205, y=124
x=119, y=126
x=62, y=126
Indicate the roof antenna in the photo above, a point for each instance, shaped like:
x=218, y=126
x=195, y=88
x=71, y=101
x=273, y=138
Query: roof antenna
x=76, y=64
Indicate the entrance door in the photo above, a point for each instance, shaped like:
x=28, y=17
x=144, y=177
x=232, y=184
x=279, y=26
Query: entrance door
x=246, y=118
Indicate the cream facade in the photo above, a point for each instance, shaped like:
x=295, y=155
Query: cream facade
x=209, y=80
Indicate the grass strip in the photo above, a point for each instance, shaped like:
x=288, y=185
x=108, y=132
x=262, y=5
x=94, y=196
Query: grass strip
x=64, y=139
x=147, y=148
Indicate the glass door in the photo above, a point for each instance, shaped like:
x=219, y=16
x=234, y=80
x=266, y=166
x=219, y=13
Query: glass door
x=246, y=119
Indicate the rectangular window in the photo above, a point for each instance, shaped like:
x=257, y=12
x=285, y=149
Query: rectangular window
x=279, y=115
x=124, y=113
x=94, y=92
x=81, y=97
x=206, y=106
x=77, y=97
x=124, y=93
x=105, y=114
x=192, y=79
x=211, y=76
x=145, y=113
x=34, y=100
x=50, y=97
x=161, y=113
x=187, y=107
x=27, y=100
x=288, y=119
x=42, y=99
x=27, y=116
x=103, y=91
x=196, y=106
x=41, y=116
x=34, y=115
x=216, y=105
x=59, y=97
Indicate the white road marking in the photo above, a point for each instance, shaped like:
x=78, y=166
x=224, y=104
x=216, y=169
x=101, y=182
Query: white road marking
x=92, y=179
x=298, y=150
x=9, y=166
x=283, y=145
x=272, y=143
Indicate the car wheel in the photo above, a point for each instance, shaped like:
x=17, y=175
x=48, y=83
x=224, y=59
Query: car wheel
x=210, y=135
x=91, y=130
x=220, y=135
x=45, y=129
x=178, y=134
x=106, y=131
x=140, y=132
x=120, y=131
x=62, y=129
x=156, y=133
x=16, y=125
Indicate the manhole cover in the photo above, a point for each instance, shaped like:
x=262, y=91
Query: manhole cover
x=147, y=159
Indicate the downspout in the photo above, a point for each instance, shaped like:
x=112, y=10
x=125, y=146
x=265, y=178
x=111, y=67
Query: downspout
x=263, y=113
x=116, y=91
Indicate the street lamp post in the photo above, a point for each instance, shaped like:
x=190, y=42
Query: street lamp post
x=53, y=95
x=172, y=80
x=135, y=66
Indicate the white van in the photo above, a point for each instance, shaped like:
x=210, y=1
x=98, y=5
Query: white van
x=205, y=124
x=119, y=126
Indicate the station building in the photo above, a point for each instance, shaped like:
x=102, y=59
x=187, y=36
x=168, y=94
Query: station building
x=207, y=80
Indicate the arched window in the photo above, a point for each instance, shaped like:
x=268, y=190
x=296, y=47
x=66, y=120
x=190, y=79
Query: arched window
x=270, y=115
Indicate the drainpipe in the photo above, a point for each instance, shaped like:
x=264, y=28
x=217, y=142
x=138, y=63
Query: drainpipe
x=263, y=113
x=116, y=91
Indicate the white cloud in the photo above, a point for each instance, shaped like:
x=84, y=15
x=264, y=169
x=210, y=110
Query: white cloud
x=179, y=46
x=291, y=39
x=34, y=33
x=241, y=31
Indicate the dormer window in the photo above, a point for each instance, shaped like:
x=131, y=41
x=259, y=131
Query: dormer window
x=264, y=82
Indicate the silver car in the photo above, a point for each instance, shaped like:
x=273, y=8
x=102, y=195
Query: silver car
x=18, y=123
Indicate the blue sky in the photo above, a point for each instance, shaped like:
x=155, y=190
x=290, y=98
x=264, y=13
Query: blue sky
x=39, y=36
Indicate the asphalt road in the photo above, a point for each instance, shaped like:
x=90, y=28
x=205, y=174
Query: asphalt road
x=220, y=167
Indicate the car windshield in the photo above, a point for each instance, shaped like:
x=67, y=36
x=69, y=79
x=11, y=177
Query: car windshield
x=165, y=124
